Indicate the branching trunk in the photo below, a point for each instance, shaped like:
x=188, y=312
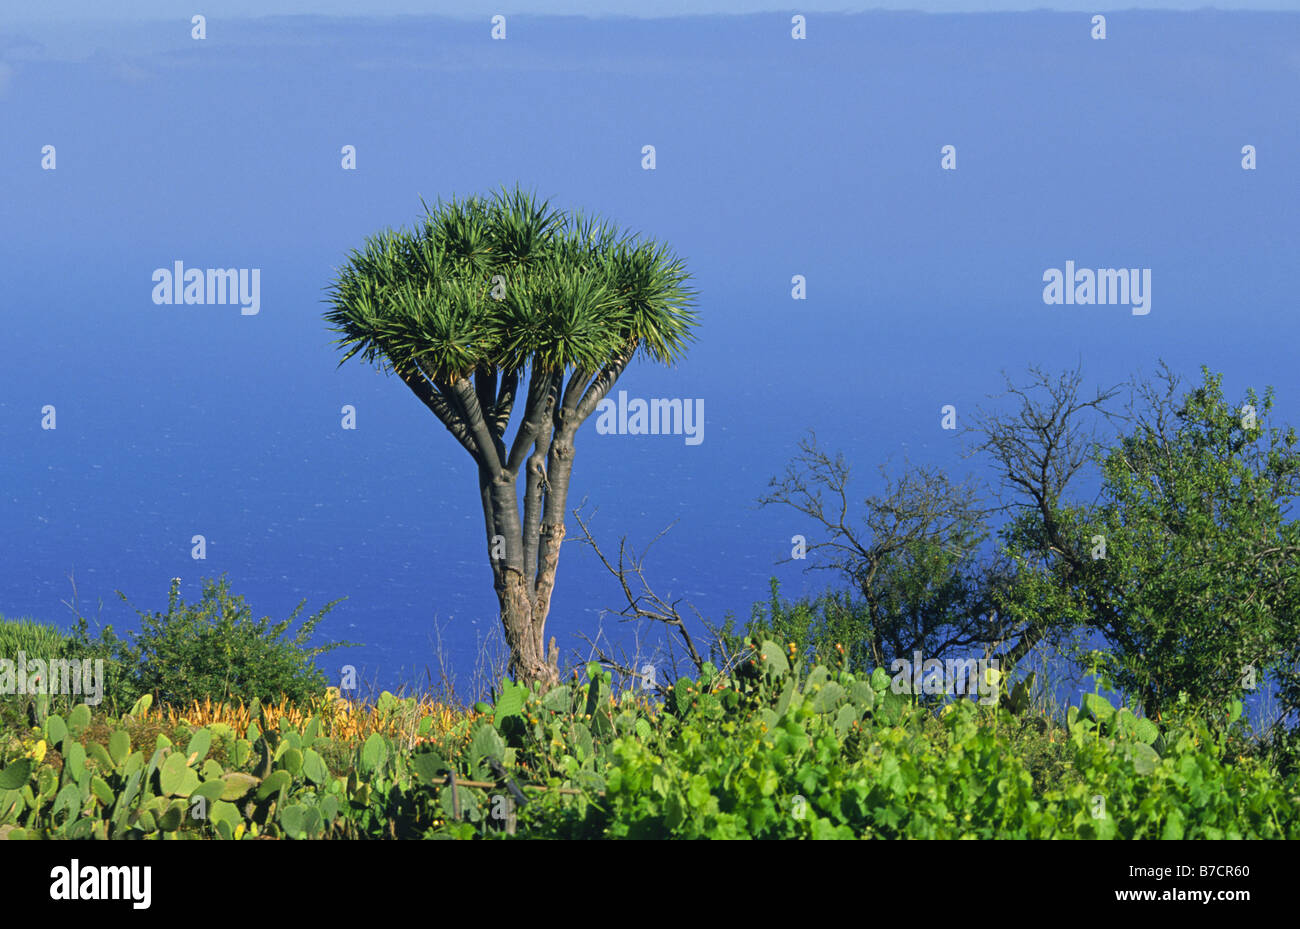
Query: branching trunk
x=524, y=548
x=524, y=629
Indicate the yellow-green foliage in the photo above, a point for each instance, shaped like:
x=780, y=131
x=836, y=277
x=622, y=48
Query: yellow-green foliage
x=774, y=750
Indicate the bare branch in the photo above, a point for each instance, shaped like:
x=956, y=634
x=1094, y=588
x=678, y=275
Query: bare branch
x=643, y=603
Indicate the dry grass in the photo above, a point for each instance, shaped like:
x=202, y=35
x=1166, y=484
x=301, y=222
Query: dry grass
x=340, y=719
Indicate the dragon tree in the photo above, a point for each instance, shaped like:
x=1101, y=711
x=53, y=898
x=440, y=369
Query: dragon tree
x=482, y=295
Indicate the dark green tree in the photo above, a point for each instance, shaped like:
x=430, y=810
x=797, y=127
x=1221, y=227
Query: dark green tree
x=482, y=294
x=1200, y=578
x=1183, y=565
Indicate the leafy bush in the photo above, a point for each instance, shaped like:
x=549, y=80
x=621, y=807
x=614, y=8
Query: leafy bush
x=1184, y=561
x=35, y=640
x=1198, y=588
x=779, y=753
x=210, y=649
x=776, y=750
x=831, y=628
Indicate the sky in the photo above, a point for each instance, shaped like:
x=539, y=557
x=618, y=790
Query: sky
x=775, y=158
x=64, y=10
x=76, y=27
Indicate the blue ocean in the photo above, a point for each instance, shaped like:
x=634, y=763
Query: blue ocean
x=775, y=158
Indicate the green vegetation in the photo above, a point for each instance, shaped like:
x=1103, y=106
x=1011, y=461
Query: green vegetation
x=1175, y=585
x=39, y=641
x=1176, y=579
x=213, y=649
x=1200, y=582
x=775, y=750
x=32, y=639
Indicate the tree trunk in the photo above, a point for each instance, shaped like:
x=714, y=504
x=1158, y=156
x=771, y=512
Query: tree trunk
x=524, y=556
x=524, y=631
x=525, y=553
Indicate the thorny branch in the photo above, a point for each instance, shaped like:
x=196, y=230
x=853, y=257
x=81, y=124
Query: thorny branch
x=643, y=603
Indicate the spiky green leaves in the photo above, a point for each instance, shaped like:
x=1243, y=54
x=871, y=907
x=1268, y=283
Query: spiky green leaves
x=651, y=286
x=558, y=318
x=507, y=283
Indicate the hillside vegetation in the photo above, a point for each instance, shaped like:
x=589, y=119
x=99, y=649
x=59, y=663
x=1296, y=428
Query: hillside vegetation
x=776, y=749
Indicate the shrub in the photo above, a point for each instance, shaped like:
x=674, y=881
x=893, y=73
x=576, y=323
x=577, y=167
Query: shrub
x=776, y=750
x=33, y=639
x=832, y=628
x=210, y=649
